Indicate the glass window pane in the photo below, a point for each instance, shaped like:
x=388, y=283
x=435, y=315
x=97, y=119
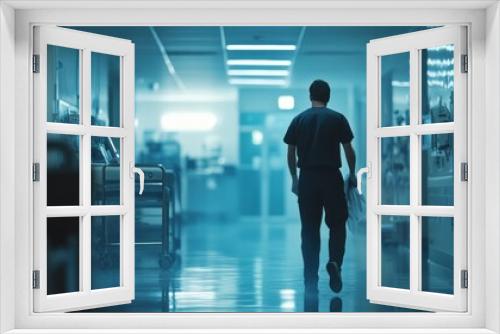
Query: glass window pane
x=437, y=254
x=395, y=233
x=395, y=89
x=437, y=84
x=395, y=170
x=105, y=252
x=63, y=85
x=63, y=170
x=105, y=171
x=63, y=250
x=105, y=90
x=437, y=169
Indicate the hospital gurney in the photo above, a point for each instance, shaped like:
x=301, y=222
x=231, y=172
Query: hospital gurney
x=156, y=218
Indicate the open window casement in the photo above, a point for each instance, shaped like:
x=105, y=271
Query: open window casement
x=83, y=170
x=417, y=170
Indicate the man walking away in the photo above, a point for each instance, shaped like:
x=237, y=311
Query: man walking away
x=314, y=138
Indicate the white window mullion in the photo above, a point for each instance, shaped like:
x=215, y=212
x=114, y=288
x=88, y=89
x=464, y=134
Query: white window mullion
x=414, y=170
x=414, y=254
x=105, y=131
x=419, y=129
x=434, y=128
x=85, y=273
x=123, y=276
x=65, y=128
x=460, y=155
x=107, y=210
x=419, y=210
x=372, y=221
x=86, y=105
x=393, y=131
x=127, y=229
x=77, y=129
x=378, y=251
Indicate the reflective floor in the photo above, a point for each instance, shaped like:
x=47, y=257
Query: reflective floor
x=245, y=266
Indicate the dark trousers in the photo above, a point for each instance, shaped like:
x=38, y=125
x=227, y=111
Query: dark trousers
x=321, y=189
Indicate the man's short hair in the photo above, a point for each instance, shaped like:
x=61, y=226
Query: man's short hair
x=319, y=91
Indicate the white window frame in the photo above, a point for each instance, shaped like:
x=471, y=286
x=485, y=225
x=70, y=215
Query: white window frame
x=413, y=43
x=85, y=43
x=483, y=121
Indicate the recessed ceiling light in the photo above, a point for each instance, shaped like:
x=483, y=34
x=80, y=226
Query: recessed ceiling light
x=258, y=82
x=286, y=102
x=259, y=62
x=261, y=47
x=188, y=121
x=259, y=73
x=257, y=137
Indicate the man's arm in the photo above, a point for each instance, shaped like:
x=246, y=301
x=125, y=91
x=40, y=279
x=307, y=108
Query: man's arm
x=292, y=167
x=351, y=161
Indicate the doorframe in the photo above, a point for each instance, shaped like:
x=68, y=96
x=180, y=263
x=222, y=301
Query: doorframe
x=485, y=51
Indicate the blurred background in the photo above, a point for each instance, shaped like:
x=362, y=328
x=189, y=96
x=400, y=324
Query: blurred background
x=217, y=229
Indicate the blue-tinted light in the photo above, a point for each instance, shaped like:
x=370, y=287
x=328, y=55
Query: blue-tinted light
x=188, y=121
x=261, y=47
x=258, y=62
x=286, y=102
x=258, y=82
x=259, y=73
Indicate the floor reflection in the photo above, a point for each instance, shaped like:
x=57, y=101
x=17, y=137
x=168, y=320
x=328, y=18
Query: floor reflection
x=336, y=304
x=245, y=266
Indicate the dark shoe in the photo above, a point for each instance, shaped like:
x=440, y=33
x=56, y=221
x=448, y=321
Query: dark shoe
x=335, y=278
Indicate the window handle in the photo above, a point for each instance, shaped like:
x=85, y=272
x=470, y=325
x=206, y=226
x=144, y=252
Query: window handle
x=359, y=176
x=135, y=170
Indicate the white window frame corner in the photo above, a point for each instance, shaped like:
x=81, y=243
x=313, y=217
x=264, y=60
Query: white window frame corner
x=484, y=46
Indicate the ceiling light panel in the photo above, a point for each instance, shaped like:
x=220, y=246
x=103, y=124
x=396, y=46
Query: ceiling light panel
x=258, y=82
x=259, y=73
x=259, y=62
x=261, y=47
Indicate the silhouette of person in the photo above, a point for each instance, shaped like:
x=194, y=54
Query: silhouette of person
x=314, y=138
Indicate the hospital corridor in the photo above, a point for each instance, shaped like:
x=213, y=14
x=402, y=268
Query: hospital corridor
x=217, y=227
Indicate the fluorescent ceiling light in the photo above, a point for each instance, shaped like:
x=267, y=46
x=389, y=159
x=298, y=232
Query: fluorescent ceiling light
x=190, y=97
x=259, y=62
x=188, y=121
x=261, y=47
x=258, y=82
x=286, y=102
x=259, y=73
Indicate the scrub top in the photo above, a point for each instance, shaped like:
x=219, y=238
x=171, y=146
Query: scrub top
x=317, y=133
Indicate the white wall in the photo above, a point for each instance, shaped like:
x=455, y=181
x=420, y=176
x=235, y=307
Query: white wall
x=149, y=114
x=492, y=212
x=7, y=175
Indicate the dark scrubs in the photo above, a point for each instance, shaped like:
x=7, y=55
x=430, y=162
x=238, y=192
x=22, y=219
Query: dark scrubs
x=317, y=133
